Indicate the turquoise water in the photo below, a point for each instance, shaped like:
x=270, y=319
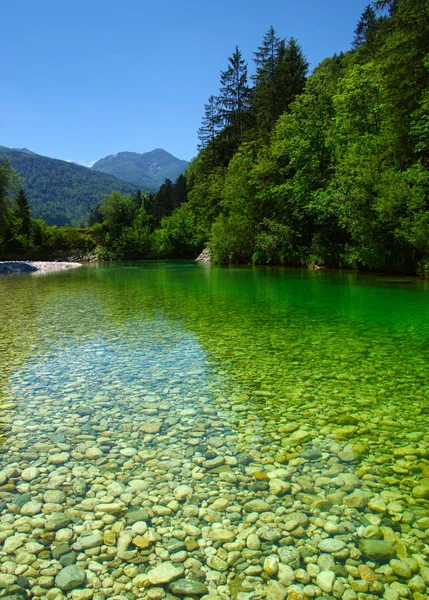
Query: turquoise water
x=306, y=391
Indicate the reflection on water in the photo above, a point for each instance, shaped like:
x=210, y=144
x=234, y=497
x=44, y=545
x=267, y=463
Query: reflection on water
x=175, y=429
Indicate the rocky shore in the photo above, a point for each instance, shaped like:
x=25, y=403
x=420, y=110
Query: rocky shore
x=31, y=266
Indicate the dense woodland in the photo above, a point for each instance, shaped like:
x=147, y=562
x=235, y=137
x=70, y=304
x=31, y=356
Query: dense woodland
x=329, y=169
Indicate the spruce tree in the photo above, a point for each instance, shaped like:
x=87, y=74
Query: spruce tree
x=179, y=192
x=366, y=27
x=210, y=127
x=265, y=58
x=265, y=95
x=291, y=74
x=235, y=94
x=23, y=212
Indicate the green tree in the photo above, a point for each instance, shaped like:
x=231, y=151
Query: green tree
x=7, y=177
x=366, y=27
x=23, y=213
x=235, y=94
x=291, y=74
x=210, y=127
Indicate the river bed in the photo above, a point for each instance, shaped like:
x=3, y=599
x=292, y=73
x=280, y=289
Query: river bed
x=173, y=430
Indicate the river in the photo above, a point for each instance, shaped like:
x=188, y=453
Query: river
x=180, y=430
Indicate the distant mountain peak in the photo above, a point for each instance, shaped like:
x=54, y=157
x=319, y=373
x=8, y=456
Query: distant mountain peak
x=147, y=169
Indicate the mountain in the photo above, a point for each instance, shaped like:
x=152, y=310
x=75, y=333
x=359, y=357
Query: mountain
x=148, y=170
x=62, y=192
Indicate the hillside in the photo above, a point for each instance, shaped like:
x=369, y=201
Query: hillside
x=148, y=170
x=61, y=192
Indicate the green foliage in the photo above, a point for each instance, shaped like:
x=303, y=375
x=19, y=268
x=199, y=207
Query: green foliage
x=232, y=239
x=177, y=237
x=338, y=174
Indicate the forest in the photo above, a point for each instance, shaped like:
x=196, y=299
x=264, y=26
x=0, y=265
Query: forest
x=328, y=169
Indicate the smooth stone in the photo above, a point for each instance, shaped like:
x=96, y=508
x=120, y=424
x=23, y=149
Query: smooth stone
x=56, y=521
x=87, y=542
x=271, y=565
x=185, y=587
x=357, y=499
x=400, y=568
x=111, y=508
x=377, y=550
x=138, y=485
x=31, y=508
x=276, y=591
x=182, y=492
x=421, y=491
x=331, y=545
x=257, y=506
x=11, y=544
x=221, y=535
x=60, y=550
x=136, y=515
x=94, y=453
x=253, y=542
x=289, y=555
x=54, y=497
x=311, y=454
x=297, y=438
x=217, y=564
x=68, y=559
x=416, y=584
x=377, y=506
x=59, y=459
x=30, y=473
x=164, y=573
x=325, y=580
x=348, y=455
x=128, y=452
x=70, y=577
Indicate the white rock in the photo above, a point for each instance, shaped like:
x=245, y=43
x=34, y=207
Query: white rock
x=325, y=580
x=182, y=492
x=30, y=473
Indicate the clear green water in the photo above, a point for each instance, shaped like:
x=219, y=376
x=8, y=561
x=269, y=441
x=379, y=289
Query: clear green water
x=229, y=363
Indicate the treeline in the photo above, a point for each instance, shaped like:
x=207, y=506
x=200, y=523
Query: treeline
x=21, y=236
x=146, y=225
x=331, y=170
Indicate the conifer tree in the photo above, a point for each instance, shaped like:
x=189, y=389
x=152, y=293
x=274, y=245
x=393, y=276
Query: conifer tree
x=210, y=127
x=235, y=94
x=265, y=96
x=265, y=58
x=366, y=27
x=291, y=74
x=281, y=70
x=179, y=192
x=23, y=212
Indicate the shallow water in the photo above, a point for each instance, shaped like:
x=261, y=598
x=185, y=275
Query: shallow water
x=187, y=391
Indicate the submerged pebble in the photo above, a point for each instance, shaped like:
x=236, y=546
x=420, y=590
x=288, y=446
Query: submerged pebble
x=134, y=466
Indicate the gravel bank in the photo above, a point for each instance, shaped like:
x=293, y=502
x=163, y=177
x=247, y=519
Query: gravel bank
x=31, y=266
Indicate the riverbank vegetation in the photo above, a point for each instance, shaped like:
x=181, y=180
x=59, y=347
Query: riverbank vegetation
x=329, y=169
x=22, y=237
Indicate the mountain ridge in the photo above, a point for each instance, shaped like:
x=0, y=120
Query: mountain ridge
x=149, y=169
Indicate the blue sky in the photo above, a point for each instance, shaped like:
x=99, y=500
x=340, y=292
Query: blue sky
x=83, y=79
